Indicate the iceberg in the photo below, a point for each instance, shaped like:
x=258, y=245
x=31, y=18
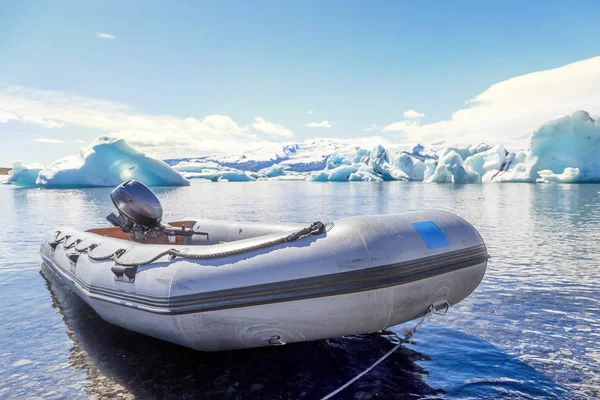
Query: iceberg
x=466, y=151
x=346, y=173
x=274, y=171
x=24, y=175
x=400, y=164
x=405, y=165
x=381, y=162
x=512, y=170
x=450, y=169
x=566, y=149
x=430, y=166
x=220, y=176
x=378, y=164
x=486, y=161
x=108, y=161
x=212, y=171
x=569, y=175
x=307, y=156
x=313, y=160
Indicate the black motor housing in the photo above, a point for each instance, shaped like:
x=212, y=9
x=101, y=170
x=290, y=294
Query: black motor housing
x=138, y=204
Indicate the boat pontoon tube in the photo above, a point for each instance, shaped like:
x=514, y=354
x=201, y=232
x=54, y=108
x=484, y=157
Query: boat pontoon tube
x=238, y=285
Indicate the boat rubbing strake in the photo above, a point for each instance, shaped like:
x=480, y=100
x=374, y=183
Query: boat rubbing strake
x=216, y=285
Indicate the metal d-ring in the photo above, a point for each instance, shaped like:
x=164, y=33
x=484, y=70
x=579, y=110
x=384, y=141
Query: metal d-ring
x=443, y=310
x=276, y=341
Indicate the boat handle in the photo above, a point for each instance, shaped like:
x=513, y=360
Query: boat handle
x=119, y=271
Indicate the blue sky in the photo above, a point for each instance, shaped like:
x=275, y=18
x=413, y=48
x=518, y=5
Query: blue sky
x=353, y=64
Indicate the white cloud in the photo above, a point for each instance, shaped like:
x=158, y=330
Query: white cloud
x=412, y=114
x=220, y=123
x=311, y=112
x=411, y=121
x=508, y=109
x=48, y=140
x=322, y=124
x=271, y=128
x=101, y=35
x=80, y=141
x=160, y=135
x=402, y=126
x=46, y=123
x=7, y=117
x=515, y=107
x=372, y=128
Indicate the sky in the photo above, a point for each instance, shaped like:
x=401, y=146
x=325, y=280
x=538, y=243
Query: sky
x=196, y=78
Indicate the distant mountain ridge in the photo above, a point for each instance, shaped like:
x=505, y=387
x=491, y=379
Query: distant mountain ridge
x=307, y=156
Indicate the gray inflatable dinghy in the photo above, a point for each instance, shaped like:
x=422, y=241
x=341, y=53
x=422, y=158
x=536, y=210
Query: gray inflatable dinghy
x=218, y=285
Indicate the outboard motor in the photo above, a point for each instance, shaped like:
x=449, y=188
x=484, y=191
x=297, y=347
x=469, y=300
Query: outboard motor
x=140, y=212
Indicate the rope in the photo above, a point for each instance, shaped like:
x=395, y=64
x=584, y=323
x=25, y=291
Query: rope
x=101, y=258
x=87, y=248
x=73, y=243
x=366, y=371
x=408, y=335
x=314, y=229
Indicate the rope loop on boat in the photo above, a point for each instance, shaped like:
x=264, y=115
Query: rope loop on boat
x=315, y=228
x=88, y=248
x=108, y=256
x=408, y=335
x=72, y=244
x=56, y=240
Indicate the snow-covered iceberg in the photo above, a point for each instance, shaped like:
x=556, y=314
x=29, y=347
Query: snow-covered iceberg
x=450, y=169
x=513, y=169
x=566, y=149
x=24, y=175
x=108, y=161
x=379, y=164
x=569, y=175
x=346, y=173
x=563, y=150
x=486, y=161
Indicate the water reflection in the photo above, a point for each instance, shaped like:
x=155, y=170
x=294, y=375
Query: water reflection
x=127, y=364
x=533, y=321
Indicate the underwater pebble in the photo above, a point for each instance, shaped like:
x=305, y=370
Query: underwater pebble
x=362, y=396
x=256, y=387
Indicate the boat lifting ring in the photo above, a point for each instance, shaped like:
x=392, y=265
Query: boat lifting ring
x=276, y=341
x=442, y=309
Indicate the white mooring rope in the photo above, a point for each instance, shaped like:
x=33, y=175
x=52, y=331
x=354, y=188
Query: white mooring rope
x=407, y=337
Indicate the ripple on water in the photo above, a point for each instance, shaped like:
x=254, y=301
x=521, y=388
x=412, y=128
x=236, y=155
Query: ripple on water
x=530, y=330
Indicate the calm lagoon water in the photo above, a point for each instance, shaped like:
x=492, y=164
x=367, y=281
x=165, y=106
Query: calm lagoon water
x=531, y=329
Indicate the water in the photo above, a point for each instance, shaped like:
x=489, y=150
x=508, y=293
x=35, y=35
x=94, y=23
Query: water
x=531, y=329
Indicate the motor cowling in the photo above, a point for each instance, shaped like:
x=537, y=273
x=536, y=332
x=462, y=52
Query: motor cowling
x=138, y=207
x=140, y=213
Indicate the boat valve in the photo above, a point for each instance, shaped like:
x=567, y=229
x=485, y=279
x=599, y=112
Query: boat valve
x=276, y=341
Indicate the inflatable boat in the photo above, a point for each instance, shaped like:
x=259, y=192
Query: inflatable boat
x=217, y=285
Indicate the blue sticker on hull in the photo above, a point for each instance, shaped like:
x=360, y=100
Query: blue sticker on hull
x=432, y=234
